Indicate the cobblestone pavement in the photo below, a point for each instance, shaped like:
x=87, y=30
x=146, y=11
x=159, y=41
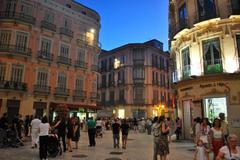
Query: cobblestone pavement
x=139, y=147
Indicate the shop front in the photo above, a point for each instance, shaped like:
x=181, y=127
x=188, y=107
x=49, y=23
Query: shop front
x=207, y=97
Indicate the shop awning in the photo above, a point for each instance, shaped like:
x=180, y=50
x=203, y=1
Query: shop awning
x=74, y=106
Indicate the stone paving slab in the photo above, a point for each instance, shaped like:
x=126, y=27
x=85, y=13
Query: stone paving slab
x=139, y=148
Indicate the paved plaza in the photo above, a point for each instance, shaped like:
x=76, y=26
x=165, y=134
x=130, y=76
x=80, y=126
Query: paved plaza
x=139, y=147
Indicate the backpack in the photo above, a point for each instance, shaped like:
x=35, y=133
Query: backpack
x=156, y=130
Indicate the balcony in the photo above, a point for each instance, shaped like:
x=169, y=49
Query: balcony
x=79, y=94
x=59, y=91
x=64, y=60
x=94, y=68
x=16, y=86
x=17, y=17
x=139, y=101
x=45, y=55
x=186, y=71
x=155, y=101
x=94, y=96
x=213, y=66
x=81, y=64
x=137, y=62
x=208, y=16
x=42, y=89
x=121, y=101
x=48, y=25
x=111, y=84
x=121, y=82
x=16, y=50
x=138, y=80
x=66, y=32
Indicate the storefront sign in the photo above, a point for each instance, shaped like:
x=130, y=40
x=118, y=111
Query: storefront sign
x=216, y=84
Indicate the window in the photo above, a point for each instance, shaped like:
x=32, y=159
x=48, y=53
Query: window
x=138, y=73
x=26, y=9
x=162, y=63
x=186, y=62
x=10, y=7
x=211, y=50
x=42, y=77
x=64, y=51
x=121, y=95
x=138, y=53
x=182, y=16
x=46, y=45
x=138, y=92
x=62, y=80
x=104, y=65
x=121, y=76
x=2, y=72
x=5, y=37
x=212, y=56
x=235, y=7
x=22, y=40
x=103, y=97
x=94, y=86
x=67, y=23
x=104, y=80
x=49, y=17
x=238, y=44
x=81, y=55
x=79, y=84
x=112, y=95
x=122, y=59
x=111, y=63
x=206, y=9
x=17, y=73
x=155, y=96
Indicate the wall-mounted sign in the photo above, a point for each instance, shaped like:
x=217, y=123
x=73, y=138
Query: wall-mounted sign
x=215, y=84
x=186, y=89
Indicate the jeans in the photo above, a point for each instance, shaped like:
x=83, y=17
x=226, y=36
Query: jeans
x=43, y=140
x=116, y=140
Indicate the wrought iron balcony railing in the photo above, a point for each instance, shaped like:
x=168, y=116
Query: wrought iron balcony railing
x=42, y=89
x=138, y=62
x=11, y=85
x=79, y=94
x=16, y=50
x=139, y=101
x=17, y=17
x=138, y=80
x=45, y=55
x=59, y=91
x=65, y=31
x=48, y=25
x=81, y=64
x=64, y=60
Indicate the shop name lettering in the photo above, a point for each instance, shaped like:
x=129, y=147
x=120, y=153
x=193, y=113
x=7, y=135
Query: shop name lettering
x=212, y=85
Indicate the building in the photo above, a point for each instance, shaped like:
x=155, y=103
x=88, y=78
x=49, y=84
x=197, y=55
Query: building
x=205, y=49
x=48, y=57
x=134, y=80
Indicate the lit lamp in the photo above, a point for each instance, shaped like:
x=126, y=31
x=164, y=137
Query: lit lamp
x=116, y=63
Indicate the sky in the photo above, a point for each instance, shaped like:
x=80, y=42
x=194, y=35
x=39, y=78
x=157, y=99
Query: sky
x=130, y=21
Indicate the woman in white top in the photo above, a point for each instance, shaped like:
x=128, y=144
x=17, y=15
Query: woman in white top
x=217, y=138
x=43, y=138
x=230, y=151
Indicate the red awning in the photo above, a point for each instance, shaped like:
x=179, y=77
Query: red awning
x=74, y=106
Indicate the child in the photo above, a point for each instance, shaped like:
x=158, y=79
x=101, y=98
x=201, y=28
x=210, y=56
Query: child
x=201, y=151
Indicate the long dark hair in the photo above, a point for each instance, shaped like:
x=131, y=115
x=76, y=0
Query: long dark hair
x=45, y=119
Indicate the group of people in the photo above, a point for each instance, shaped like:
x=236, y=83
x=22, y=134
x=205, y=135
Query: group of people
x=214, y=138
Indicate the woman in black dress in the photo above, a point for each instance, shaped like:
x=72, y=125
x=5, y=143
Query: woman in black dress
x=76, y=131
x=69, y=133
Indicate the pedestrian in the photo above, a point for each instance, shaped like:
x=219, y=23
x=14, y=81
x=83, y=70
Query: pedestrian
x=124, y=129
x=4, y=122
x=44, y=128
x=170, y=124
x=163, y=137
x=205, y=134
x=156, y=136
x=69, y=133
x=76, y=131
x=224, y=125
x=91, y=124
x=178, y=130
x=26, y=125
x=201, y=152
x=35, y=123
x=197, y=129
x=230, y=151
x=217, y=137
x=135, y=125
x=115, y=131
x=61, y=131
x=149, y=126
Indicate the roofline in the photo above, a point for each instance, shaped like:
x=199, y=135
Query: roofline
x=74, y=1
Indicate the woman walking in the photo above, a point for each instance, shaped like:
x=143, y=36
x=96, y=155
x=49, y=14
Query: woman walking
x=76, y=131
x=69, y=134
x=44, y=128
x=217, y=137
x=124, y=128
x=163, y=145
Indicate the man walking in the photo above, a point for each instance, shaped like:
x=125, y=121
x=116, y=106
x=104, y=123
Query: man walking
x=91, y=132
x=115, y=130
x=34, y=131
